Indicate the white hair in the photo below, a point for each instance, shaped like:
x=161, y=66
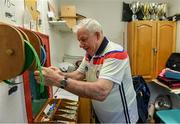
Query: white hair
x=90, y=24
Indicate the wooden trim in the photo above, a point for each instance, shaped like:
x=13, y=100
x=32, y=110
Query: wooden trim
x=68, y=16
x=174, y=37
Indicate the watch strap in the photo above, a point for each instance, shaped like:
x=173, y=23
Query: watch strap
x=63, y=83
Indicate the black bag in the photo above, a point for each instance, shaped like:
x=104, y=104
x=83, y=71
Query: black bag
x=142, y=96
x=173, y=62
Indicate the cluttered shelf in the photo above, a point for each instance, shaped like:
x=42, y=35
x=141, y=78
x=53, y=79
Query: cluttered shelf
x=67, y=18
x=169, y=77
x=175, y=91
x=61, y=26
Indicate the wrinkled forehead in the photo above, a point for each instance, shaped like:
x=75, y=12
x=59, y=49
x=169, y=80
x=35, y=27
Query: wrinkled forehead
x=83, y=32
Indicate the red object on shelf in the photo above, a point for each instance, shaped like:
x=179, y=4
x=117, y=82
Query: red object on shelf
x=171, y=83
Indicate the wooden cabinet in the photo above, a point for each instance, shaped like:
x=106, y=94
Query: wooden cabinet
x=85, y=111
x=149, y=45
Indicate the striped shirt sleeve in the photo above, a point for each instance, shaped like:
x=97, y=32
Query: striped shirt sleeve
x=114, y=67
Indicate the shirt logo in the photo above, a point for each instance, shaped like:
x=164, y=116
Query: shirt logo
x=97, y=74
x=86, y=68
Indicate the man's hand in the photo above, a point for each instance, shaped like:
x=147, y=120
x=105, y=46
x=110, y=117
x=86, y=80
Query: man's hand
x=51, y=76
x=56, y=69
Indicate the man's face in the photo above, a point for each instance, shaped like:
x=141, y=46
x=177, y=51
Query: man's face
x=87, y=41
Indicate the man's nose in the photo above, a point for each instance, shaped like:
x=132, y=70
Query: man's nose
x=81, y=45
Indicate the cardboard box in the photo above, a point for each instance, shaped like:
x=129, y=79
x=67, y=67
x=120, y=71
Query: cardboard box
x=68, y=13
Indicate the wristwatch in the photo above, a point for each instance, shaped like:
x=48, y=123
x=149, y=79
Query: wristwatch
x=63, y=83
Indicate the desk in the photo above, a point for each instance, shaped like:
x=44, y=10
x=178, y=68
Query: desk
x=169, y=116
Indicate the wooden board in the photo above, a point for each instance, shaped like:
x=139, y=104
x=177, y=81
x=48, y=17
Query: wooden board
x=34, y=40
x=27, y=39
x=40, y=40
x=12, y=55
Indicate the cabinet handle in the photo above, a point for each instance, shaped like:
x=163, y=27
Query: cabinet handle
x=154, y=51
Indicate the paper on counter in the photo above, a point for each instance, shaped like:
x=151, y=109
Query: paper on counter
x=65, y=94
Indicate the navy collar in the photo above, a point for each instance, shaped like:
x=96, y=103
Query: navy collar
x=101, y=48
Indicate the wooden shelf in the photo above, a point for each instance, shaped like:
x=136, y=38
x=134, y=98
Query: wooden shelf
x=61, y=26
x=175, y=91
x=56, y=117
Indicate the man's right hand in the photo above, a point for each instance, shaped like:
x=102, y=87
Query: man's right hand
x=56, y=70
x=51, y=77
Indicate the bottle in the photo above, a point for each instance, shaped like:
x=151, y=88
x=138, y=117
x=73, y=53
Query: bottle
x=51, y=110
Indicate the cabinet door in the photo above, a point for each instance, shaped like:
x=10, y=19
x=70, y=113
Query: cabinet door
x=166, y=34
x=144, y=43
x=85, y=111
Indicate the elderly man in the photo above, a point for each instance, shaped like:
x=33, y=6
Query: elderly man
x=107, y=72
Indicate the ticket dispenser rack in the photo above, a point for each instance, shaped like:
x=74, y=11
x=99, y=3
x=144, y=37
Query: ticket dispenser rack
x=25, y=51
x=34, y=100
x=58, y=111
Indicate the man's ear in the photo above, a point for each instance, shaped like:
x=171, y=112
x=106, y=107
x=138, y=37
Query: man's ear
x=98, y=35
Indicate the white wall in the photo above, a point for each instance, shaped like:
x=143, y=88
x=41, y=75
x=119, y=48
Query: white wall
x=12, y=106
x=175, y=9
x=17, y=10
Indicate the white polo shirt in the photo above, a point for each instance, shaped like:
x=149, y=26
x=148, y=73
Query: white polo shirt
x=111, y=62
